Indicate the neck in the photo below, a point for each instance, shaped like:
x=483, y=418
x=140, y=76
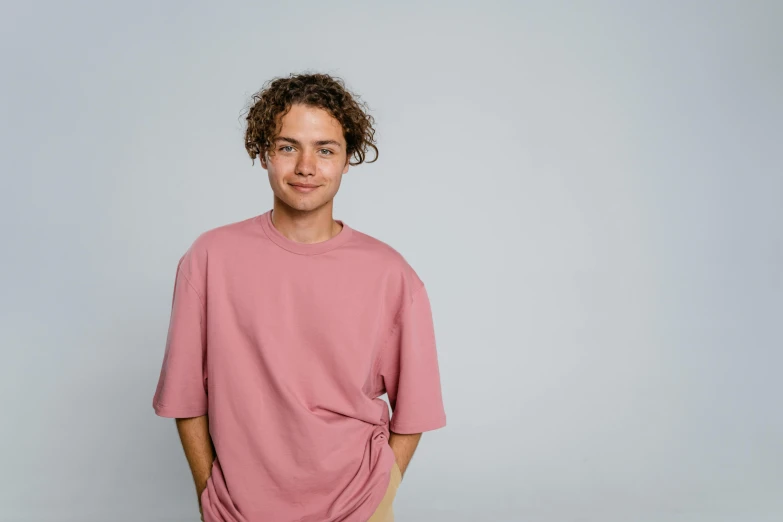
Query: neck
x=305, y=226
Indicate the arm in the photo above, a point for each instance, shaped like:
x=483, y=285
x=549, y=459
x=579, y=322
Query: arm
x=404, y=446
x=199, y=451
x=411, y=377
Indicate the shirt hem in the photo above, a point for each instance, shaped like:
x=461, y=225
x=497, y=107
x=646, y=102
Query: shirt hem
x=367, y=509
x=410, y=428
x=174, y=413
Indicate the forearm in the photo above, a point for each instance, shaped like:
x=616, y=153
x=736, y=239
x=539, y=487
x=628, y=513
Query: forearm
x=404, y=446
x=199, y=450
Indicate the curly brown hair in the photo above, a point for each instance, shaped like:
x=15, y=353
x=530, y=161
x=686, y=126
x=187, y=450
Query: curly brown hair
x=316, y=90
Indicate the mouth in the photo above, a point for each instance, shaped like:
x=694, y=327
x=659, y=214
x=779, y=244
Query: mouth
x=303, y=187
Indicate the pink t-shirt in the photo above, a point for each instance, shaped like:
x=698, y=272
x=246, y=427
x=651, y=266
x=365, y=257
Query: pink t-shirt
x=288, y=347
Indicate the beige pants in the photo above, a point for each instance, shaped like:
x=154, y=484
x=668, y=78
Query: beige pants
x=384, y=511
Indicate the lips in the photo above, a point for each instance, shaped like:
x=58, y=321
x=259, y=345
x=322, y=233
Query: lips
x=303, y=187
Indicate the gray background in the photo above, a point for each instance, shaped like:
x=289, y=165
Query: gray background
x=592, y=193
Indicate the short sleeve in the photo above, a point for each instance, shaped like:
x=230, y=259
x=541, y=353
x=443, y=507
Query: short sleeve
x=409, y=368
x=182, y=385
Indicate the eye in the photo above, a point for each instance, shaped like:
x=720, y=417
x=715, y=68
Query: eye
x=329, y=151
x=285, y=147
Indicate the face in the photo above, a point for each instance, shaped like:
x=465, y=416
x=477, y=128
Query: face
x=310, y=150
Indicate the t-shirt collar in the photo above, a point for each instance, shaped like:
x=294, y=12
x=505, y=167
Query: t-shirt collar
x=277, y=237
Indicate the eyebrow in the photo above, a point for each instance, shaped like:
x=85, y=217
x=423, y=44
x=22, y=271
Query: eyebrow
x=316, y=143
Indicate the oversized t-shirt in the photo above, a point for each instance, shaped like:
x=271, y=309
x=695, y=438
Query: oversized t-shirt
x=288, y=347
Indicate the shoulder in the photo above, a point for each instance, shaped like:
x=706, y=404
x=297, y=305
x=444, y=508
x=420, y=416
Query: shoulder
x=391, y=262
x=217, y=240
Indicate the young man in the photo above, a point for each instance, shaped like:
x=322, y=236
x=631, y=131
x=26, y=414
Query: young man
x=287, y=327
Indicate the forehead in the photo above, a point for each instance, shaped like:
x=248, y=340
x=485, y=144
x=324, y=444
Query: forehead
x=310, y=121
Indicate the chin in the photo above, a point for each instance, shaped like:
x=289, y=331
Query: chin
x=303, y=203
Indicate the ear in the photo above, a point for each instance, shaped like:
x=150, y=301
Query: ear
x=263, y=159
x=347, y=165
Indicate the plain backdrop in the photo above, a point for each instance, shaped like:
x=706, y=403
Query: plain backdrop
x=592, y=192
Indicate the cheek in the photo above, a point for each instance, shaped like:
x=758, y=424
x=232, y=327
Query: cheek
x=335, y=171
x=278, y=168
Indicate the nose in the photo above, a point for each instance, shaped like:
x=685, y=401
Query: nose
x=305, y=166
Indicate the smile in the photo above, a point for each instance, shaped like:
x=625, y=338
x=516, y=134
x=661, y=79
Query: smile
x=304, y=188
